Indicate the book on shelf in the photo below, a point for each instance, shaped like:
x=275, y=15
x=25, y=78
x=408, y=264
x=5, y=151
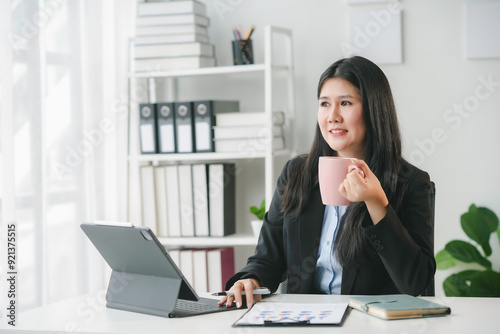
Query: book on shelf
x=249, y=118
x=200, y=200
x=161, y=30
x=207, y=269
x=256, y=144
x=186, y=264
x=170, y=39
x=173, y=202
x=161, y=201
x=174, y=50
x=220, y=264
x=173, y=63
x=221, y=199
x=177, y=19
x=186, y=200
x=399, y=306
x=171, y=30
x=242, y=132
x=188, y=127
x=148, y=196
x=175, y=256
x=189, y=200
x=200, y=270
x=171, y=7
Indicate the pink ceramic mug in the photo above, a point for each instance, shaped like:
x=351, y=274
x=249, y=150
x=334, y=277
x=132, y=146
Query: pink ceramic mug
x=331, y=173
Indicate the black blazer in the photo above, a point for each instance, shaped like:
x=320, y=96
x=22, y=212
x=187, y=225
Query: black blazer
x=398, y=258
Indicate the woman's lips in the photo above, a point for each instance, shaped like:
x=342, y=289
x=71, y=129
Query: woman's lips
x=338, y=132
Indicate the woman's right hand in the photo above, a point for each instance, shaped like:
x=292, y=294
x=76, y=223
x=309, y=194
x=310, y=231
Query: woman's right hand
x=246, y=285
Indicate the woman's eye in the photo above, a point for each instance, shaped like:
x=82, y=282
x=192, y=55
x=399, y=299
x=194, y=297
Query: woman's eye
x=345, y=103
x=324, y=104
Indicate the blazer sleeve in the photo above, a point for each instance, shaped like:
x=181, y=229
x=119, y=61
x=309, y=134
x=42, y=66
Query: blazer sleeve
x=402, y=239
x=268, y=264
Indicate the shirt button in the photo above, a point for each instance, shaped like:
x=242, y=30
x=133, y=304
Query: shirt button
x=373, y=236
x=328, y=243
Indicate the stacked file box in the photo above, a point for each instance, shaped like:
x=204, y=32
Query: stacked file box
x=172, y=36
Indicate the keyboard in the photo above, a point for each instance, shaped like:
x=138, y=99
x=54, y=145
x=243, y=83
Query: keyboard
x=196, y=306
x=185, y=307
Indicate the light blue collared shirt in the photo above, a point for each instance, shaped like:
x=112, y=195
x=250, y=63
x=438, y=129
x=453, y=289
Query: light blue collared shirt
x=328, y=276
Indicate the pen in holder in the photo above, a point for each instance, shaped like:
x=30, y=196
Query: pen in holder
x=242, y=52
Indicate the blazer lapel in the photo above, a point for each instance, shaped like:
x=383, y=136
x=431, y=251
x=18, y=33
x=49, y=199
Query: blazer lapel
x=348, y=278
x=311, y=222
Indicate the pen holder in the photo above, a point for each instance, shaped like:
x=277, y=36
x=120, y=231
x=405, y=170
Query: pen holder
x=242, y=52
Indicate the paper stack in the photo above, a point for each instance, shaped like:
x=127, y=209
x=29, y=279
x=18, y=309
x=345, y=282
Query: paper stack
x=248, y=132
x=172, y=36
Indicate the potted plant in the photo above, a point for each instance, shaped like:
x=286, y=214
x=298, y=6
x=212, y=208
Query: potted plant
x=478, y=223
x=259, y=213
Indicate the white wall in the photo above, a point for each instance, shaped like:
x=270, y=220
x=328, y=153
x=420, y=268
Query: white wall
x=434, y=76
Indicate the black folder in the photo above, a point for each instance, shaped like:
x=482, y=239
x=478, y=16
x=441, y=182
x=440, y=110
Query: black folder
x=165, y=121
x=184, y=127
x=221, y=199
x=147, y=128
x=204, y=121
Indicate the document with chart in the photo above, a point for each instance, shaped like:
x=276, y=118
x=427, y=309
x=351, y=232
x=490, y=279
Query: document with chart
x=293, y=314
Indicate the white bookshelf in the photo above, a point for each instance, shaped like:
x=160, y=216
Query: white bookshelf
x=230, y=240
x=136, y=159
x=200, y=157
x=201, y=71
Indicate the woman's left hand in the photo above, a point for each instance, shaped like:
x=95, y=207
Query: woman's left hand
x=367, y=188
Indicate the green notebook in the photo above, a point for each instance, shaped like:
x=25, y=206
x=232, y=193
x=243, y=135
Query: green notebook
x=397, y=306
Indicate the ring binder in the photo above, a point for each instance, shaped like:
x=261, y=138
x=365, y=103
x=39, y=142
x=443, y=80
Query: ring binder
x=166, y=128
x=204, y=121
x=184, y=127
x=147, y=128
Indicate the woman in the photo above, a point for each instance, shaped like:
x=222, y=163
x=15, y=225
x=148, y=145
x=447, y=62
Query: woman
x=380, y=244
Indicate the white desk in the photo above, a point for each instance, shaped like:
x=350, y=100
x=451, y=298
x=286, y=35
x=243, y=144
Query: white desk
x=87, y=314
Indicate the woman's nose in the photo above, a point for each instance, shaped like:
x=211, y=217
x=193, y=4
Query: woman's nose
x=334, y=115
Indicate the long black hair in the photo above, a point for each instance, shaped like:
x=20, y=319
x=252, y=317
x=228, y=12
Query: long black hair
x=382, y=152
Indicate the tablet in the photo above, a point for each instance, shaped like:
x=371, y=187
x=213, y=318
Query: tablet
x=144, y=277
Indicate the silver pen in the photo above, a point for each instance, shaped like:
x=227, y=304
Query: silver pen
x=258, y=291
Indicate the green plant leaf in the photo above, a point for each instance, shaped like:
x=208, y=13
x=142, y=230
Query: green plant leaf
x=453, y=287
x=465, y=252
x=458, y=285
x=259, y=212
x=254, y=210
x=489, y=218
x=478, y=223
x=485, y=284
x=444, y=260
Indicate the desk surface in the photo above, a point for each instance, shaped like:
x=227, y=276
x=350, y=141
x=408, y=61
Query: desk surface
x=87, y=314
